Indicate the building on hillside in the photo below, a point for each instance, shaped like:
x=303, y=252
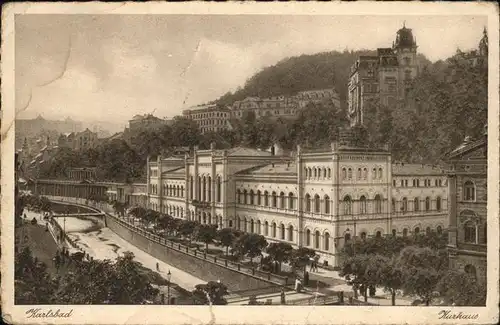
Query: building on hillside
x=321, y=199
x=476, y=57
x=386, y=76
x=83, y=173
x=30, y=128
x=145, y=122
x=467, y=183
x=277, y=106
x=320, y=96
x=210, y=118
x=79, y=140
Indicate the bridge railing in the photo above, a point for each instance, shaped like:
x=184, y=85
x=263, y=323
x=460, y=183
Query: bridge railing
x=266, y=276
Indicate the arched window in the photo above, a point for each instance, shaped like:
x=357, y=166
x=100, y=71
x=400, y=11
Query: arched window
x=204, y=194
x=416, y=231
x=365, y=173
x=308, y=203
x=266, y=228
x=315, y=172
x=428, y=230
x=305, y=172
x=362, y=204
x=274, y=199
x=273, y=230
x=258, y=197
x=404, y=208
x=416, y=204
x=380, y=173
x=251, y=197
x=347, y=205
x=374, y=173
x=282, y=200
x=309, y=172
x=317, y=204
x=219, y=190
x=438, y=203
x=290, y=233
x=326, y=241
x=316, y=240
x=324, y=172
x=258, y=227
x=363, y=235
x=209, y=195
x=191, y=184
x=469, y=191
x=349, y=173
x=439, y=230
x=378, y=234
x=329, y=173
x=347, y=236
x=290, y=201
x=266, y=199
x=427, y=204
x=344, y=173
x=308, y=237
x=238, y=196
x=394, y=232
x=378, y=204
x=405, y=232
x=393, y=203
x=470, y=232
x=359, y=173
x=245, y=197
x=327, y=204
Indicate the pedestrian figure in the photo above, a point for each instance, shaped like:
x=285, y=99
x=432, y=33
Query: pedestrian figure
x=297, y=284
x=306, y=279
x=283, y=301
x=157, y=266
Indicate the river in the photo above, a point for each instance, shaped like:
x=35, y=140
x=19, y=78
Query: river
x=105, y=244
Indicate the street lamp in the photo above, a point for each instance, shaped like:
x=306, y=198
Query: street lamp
x=169, y=275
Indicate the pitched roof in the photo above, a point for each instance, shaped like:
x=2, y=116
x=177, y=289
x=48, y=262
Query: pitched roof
x=467, y=145
x=242, y=151
x=276, y=169
x=416, y=169
x=175, y=171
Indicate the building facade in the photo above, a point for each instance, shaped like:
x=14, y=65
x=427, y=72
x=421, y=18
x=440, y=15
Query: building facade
x=467, y=182
x=385, y=77
x=78, y=140
x=321, y=199
x=210, y=118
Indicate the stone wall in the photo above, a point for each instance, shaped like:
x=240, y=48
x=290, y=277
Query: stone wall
x=206, y=268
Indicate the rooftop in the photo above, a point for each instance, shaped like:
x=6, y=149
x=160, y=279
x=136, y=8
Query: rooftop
x=416, y=169
x=283, y=169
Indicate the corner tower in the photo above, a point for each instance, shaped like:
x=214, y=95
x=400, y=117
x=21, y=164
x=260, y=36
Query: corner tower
x=405, y=49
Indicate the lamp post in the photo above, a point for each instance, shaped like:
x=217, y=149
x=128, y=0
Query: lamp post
x=169, y=275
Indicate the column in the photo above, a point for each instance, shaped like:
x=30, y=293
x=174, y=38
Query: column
x=195, y=175
x=452, y=211
x=300, y=198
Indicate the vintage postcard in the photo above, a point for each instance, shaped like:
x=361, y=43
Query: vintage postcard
x=250, y=163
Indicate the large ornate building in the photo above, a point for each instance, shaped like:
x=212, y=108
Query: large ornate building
x=314, y=198
x=385, y=76
x=467, y=179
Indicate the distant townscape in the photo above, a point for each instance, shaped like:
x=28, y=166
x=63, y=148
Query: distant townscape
x=381, y=185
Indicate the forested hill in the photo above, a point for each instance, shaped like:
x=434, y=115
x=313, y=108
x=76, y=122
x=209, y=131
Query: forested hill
x=299, y=73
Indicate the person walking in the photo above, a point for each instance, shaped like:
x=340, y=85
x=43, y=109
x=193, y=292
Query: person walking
x=283, y=301
x=157, y=267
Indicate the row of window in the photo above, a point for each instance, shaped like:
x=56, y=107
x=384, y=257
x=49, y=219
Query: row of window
x=213, y=122
x=417, y=204
x=172, y=190
x=204, y=188
x=378, y=234
x=416, y=183
x=318, y=173
x=362, y=173
x=212, y=114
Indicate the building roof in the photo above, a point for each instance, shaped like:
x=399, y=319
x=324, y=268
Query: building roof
x=416, y=169
x=242, y=151
x=175, y=171
x=276, y=169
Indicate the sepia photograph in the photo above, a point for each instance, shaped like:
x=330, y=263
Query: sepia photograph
x=248, y=159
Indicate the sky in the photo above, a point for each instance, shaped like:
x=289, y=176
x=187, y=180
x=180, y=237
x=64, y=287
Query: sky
x=111, y=67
